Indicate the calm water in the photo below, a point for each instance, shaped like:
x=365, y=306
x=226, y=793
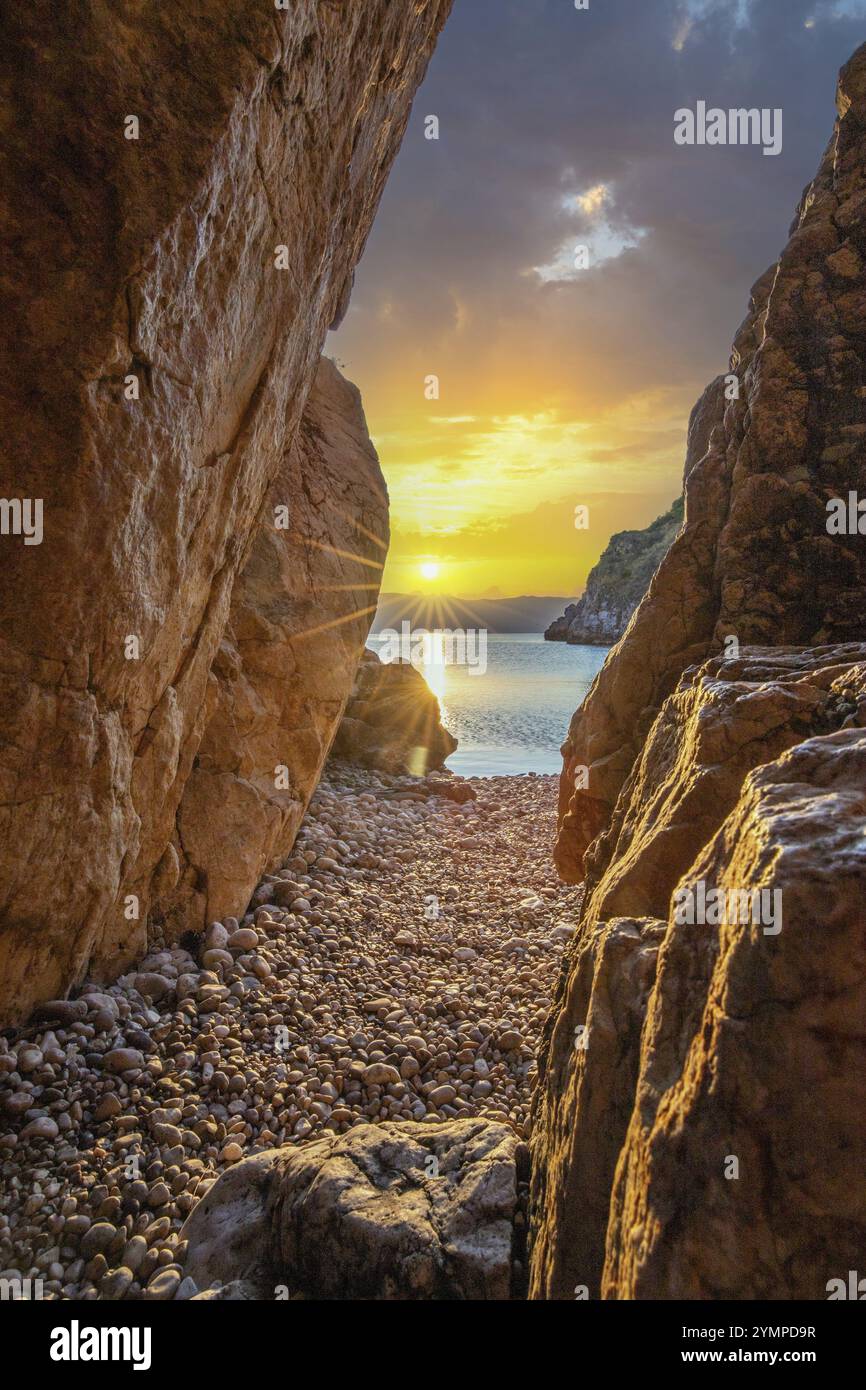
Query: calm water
x=513, y=717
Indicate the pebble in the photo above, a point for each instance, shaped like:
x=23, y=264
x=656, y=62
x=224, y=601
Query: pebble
x=164, y=1284
x=378, y=1074
x=116, y=1282
x=43, y=1127
x=123, y=1059
x=97, y=1239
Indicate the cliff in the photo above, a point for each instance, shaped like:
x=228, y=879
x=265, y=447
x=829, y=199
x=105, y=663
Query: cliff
x=617, y=584
x=699, y=1122
x=186, y=205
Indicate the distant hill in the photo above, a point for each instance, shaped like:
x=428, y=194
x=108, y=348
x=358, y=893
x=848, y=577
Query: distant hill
x=617, y=584
x=523, y=614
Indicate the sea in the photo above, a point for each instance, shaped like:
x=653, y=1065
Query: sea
x=513, y=716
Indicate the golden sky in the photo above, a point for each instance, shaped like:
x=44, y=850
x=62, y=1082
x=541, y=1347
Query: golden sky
x=491, y=497
x=563, y=385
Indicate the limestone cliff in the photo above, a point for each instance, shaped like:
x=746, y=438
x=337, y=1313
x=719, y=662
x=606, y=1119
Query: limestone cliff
x=720, y=752
x=617, y=584
x=186, y=202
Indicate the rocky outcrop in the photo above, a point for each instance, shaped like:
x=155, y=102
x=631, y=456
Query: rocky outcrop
x=712, y=796
x=393, y=722
x=393, y=1211
x=690, y=790
x=300, y=614
x=741, y=1174
x=617, y=584
x=595, y=1053
x=187, y=203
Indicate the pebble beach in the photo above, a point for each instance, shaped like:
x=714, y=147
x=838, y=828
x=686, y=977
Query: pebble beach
x=399, y=966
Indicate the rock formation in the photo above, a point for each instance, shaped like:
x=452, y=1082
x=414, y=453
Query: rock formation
x=754, y=1052
x=393, y=721
x=719, y=760
x=617, y=584
x=393, y=1211
x=300, y=614
x=187, y=203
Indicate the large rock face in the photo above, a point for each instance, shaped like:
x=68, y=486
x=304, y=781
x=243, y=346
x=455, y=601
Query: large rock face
x=754, y=1052
x=300, y=613
x=167, y=301
x=718, y=969
x=617, y=584
x=688, y=816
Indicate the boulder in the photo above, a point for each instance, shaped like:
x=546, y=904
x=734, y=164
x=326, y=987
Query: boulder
x=393, y=721
x=391, y=1211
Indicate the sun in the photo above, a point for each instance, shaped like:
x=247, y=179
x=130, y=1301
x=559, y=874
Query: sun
x=430, y=569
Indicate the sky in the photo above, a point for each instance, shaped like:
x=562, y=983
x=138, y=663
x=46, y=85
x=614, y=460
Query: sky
x=564, y=386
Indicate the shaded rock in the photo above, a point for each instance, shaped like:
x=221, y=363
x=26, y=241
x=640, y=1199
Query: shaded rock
x=229, y=1232
x=586, y=1105
x=64, y=1011
x=393, y=1211
x=393, y=721
x=452, y=790
x=123, y=1059
x=300, y=613
x=164, y=349
x=236, y=1291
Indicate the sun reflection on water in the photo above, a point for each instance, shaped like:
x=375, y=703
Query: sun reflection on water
x=433, y=670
